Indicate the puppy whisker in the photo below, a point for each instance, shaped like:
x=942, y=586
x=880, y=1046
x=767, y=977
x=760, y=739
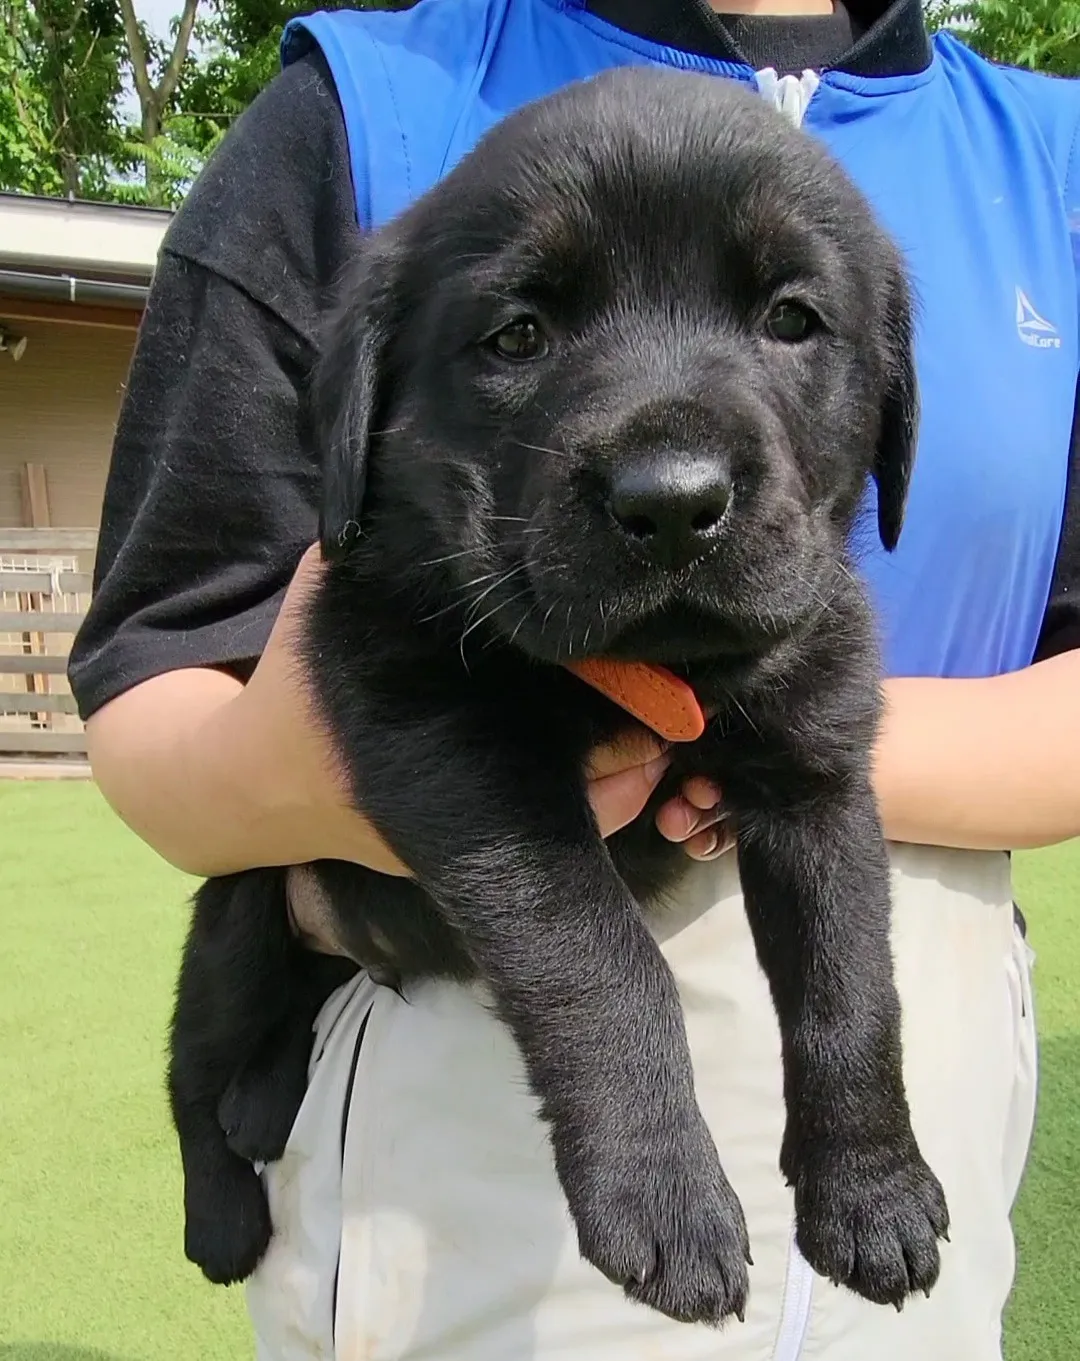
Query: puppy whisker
x=505, y=604
x=543, y=449
x=470, y=606
x=734, y=700
x=450, y=557
x=457, y=603
x=438, y=614
x=522, y=621
x=482, y=620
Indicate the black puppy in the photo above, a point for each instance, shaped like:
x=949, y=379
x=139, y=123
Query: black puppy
x=615, y=387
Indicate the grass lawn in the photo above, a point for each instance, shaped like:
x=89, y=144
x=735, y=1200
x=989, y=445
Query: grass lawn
x=91, y=1267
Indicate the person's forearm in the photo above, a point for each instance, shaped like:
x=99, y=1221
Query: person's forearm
x=219, y=778
x=174, y=758
x=983, y=764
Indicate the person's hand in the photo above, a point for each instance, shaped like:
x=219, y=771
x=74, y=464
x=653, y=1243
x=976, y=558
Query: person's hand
x=622, y=777
x=302, y=767
x=301, y=770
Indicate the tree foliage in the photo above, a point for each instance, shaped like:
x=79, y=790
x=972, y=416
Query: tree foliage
x=71, y=72
x=1041, y=34
x=60, y=80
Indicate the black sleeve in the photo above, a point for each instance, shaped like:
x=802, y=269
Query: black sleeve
x=1061, y=624
x=212, y=489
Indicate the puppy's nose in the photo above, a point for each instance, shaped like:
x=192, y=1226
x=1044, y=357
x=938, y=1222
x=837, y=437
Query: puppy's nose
x=673, y=505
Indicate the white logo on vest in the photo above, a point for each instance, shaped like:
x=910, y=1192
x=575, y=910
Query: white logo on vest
x=1033, y=329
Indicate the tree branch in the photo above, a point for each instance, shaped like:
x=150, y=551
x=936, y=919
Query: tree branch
x=140, y=67
x=171, y=77
x=153, y=99
x=76, y=19
x=34, y=134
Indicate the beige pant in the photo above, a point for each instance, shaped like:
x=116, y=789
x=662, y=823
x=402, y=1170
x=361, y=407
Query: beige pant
x=436, y=1229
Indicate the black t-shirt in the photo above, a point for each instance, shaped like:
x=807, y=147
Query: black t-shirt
x=212, y=493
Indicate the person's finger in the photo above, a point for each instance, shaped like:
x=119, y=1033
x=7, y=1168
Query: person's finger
x=712, y=843
x=634, y=747
x=702, y=793
x=678, y=819
x=618, y=799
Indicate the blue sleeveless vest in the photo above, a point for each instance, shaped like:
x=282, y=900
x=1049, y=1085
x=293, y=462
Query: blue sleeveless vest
x=975, y=169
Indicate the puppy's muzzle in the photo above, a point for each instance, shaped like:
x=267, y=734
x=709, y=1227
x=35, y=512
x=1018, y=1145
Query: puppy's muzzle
x=672, y=505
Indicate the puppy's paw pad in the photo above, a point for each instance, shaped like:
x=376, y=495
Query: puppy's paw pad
x=227, y=1223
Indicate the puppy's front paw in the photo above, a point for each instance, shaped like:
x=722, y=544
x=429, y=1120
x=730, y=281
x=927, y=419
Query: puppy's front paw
x=662, y=1221
x=227, y=1222
x=870, y=1216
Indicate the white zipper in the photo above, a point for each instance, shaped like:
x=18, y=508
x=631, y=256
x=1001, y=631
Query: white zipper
x=795, y=1313
x=790, y=94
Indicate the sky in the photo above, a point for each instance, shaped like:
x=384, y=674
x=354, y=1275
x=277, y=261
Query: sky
x=156, y=14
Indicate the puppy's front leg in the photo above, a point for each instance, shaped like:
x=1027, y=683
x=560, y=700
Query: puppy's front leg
x=517, y=867
x=816, y=884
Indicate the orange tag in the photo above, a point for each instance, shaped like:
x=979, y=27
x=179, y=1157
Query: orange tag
x=654, y=695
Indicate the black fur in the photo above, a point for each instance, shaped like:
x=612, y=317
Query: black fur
x=651, y=222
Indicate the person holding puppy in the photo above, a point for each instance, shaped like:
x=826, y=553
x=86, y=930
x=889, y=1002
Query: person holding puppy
x=417, y=1211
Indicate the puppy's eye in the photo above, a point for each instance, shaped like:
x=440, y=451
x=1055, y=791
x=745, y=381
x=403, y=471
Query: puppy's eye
x=521, y=341
x=791, y=322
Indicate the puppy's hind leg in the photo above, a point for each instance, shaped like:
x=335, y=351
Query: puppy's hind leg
x=260, y=1104
x=227, y=1224
x=235, y=992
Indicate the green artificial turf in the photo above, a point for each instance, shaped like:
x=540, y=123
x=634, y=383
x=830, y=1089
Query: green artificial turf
x=91, y=1257
x=1043, y=1322
x=91, y=1264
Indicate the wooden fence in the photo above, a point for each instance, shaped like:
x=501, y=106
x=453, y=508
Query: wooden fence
x=45, y=582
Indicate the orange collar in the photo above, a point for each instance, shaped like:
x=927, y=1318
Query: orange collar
x=655, y=696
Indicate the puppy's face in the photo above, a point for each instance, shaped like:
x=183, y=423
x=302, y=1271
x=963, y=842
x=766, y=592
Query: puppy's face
x=616, y=385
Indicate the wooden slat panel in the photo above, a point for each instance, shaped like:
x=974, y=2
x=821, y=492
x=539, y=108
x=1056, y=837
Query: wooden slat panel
x=35, y=487
x=36, y=704
x=39, y=621
x=48, y=540
x=30, y=664
x=75, y=314
x=37, y=514
x=71, y=742
x=74, y=583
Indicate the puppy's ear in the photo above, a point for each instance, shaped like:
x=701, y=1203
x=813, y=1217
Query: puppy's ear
x=348, y=390
x=895, y=456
